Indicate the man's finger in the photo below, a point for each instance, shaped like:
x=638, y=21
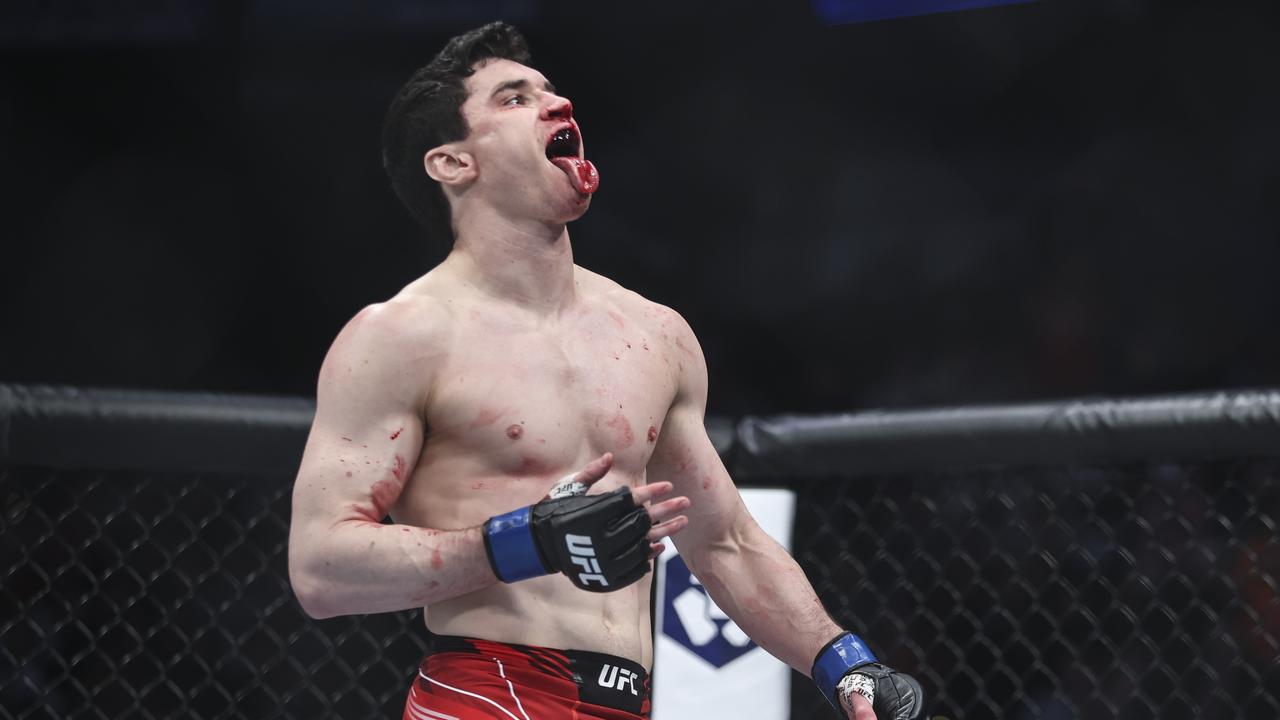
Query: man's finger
x=581, y=481
x=668, y=528
x=859, y=708
x=645, y=493
x=659, y=512
x=595, y=469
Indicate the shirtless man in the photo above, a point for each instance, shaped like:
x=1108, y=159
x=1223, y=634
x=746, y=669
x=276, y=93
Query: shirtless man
x=479, y=405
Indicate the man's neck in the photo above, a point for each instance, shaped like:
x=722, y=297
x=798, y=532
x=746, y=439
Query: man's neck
x=530, y=265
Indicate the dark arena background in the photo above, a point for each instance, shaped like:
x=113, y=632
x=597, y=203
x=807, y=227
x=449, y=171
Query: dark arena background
x=993, y=289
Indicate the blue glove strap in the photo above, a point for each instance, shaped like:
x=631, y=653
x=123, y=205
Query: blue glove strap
x=512, y=552
x=837, y=658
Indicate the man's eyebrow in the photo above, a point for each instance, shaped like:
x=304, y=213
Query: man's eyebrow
x=521, y=84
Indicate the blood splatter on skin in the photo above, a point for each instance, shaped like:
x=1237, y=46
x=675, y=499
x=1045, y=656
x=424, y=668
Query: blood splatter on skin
x=398, y=468
x=396, y=434
x=381, y=496
x=653, y=433
x=437, y=562
x=348, y=473
x=515, y=432
x=706, y=482
x=683, y=348
x=685, y=464
x=620, y=425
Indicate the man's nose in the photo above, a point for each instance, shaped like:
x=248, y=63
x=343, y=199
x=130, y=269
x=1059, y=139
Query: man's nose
x=557, y=108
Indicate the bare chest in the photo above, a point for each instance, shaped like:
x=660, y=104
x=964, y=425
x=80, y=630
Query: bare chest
x=539, y=402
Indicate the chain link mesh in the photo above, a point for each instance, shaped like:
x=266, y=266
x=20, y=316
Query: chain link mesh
x=151, y=597
x=1144, y=591
x=1121, y=592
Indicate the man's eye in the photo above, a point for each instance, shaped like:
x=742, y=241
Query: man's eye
x=514, y=100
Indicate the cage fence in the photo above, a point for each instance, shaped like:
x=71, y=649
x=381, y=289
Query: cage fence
x=1123, y=579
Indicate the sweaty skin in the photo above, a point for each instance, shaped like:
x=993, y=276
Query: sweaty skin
x=484, y=383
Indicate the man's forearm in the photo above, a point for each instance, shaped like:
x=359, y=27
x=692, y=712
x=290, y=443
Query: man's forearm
x=758, y=584
x=357, y=567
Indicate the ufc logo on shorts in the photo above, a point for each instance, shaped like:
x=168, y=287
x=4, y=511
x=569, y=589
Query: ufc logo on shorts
x=614, y=677
x=584, y=556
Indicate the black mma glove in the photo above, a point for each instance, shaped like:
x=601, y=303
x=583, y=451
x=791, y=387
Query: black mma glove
x=846, y=665
x=599, y=541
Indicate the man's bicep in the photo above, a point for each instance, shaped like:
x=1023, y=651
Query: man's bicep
x=356, y=470
x=368, y=429
x=372, y=372
x=685, y=457
x=362, y=402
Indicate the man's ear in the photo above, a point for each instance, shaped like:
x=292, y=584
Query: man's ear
x=449, y=165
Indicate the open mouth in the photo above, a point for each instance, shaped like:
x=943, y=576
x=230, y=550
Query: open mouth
x=564, y=143
x=563, y=151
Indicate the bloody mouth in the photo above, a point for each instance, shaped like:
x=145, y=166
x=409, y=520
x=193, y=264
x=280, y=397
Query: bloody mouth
x=563, y=151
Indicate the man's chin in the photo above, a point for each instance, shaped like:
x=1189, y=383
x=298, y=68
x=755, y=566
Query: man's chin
x=576, y=208
x=574, y=204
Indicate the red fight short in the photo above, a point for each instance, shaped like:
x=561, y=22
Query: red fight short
x=469, y=679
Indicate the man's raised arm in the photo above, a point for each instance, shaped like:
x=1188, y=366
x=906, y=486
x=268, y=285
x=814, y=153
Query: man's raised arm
x=749, y=575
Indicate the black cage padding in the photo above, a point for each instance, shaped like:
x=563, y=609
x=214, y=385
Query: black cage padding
x=77, y=428
x=1204, y=427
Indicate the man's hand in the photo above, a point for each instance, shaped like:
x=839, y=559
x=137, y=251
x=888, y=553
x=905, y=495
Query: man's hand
x=891, y=694
x=857, y=707
x=850, y=676
x=662, y=516
x=602, y=542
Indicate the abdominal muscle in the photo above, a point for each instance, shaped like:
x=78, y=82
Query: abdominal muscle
x=546, y=611
x=550, y=612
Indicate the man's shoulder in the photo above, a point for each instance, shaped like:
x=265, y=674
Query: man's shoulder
x=633, y=304
x=411, y=322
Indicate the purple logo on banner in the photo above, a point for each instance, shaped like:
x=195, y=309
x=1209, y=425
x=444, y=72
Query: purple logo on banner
x=690, y=618
x=837, y=12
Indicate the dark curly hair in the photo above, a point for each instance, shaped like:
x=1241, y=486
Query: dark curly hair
x=427, y=112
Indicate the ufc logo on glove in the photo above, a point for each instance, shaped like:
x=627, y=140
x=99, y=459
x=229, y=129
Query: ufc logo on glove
x=584, y=556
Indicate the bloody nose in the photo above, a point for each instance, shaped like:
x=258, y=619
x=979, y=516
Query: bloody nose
x=559, y=109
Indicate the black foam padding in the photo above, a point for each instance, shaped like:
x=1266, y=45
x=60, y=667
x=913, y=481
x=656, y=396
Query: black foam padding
x=204, y=432
x=1204, y=426
x=72, y=428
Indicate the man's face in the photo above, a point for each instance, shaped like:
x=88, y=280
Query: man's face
x=526, y=144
